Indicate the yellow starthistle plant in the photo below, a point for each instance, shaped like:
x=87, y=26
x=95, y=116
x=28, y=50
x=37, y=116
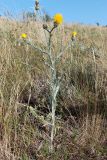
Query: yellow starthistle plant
x=51, y=60
x=58, y=19
x=24, y=35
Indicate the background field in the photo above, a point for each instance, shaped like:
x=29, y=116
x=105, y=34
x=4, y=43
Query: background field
x=81, y=115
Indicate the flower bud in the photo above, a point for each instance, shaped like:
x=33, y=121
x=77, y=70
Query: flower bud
x=36, y=5
x=45, y=26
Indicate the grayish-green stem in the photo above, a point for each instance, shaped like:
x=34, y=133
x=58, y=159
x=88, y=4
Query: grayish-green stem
x=54, y=89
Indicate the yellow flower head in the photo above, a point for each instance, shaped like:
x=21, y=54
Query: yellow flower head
x=58, y=18
x=24, y=35
x=74, y=34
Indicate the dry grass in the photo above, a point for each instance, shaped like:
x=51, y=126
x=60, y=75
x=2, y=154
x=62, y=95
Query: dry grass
x=81, y=126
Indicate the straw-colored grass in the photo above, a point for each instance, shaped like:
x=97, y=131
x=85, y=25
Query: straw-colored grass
x=81, y=126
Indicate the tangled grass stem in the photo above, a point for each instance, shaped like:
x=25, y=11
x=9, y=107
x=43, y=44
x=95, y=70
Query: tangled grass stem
x=63, y=51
